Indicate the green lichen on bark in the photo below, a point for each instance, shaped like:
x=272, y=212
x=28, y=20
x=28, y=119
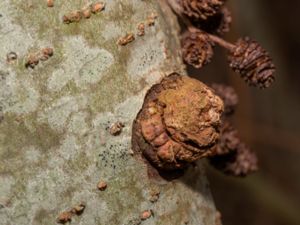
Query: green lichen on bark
x=54, y=142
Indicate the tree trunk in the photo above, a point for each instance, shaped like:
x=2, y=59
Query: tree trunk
x=55, y=144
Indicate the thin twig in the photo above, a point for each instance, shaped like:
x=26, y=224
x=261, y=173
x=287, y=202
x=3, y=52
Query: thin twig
x=221, y=42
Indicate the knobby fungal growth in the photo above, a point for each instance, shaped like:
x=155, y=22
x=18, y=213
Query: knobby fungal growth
x=178, y=123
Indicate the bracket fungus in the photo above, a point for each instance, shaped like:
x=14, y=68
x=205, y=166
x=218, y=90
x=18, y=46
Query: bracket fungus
x=178, y=123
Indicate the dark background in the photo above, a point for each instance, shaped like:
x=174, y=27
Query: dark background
x=268, y=120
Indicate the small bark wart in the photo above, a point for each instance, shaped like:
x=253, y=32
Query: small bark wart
x=11, y=57
x=116, y=128
x=64, y=217
x=178, y=124
x=78, y=209
x=102, y=185
x=146, y=214
x=126, y=39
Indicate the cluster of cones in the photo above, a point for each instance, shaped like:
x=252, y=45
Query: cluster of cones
x=231, y=155
x=207, y=21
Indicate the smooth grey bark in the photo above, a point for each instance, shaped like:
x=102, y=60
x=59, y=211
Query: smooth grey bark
x=54, y=142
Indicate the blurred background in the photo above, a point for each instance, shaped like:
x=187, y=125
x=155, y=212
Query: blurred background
x=268, y=120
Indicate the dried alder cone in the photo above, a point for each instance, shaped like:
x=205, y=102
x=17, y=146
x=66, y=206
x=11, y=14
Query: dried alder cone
x=197, y=49
x=178, y=124
x=250, y=60
x=212, y=19
x=228, y=95
x=228, y=141
x=200, y=9
x=218, y=24
x=240, y=162
x=231, y=155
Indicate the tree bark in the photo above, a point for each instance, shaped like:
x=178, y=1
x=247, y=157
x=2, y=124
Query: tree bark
x=55, y=144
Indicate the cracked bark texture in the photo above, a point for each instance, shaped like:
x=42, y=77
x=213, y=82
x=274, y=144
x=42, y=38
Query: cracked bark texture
x=55, y=144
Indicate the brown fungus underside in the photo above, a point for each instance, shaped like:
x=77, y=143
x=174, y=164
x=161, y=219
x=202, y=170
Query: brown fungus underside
x=178, y=123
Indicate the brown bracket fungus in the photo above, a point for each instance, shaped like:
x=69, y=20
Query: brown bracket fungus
x=178, y=123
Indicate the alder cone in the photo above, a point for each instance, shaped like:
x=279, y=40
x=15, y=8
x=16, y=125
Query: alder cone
x=229, y=140
x=237, y=163
x=197, y=48
x=231, y=155
x=252, y=62
x=200, y=9
x=178, y=123
x=225, y=20
x=218, y=24
x=228, y=95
